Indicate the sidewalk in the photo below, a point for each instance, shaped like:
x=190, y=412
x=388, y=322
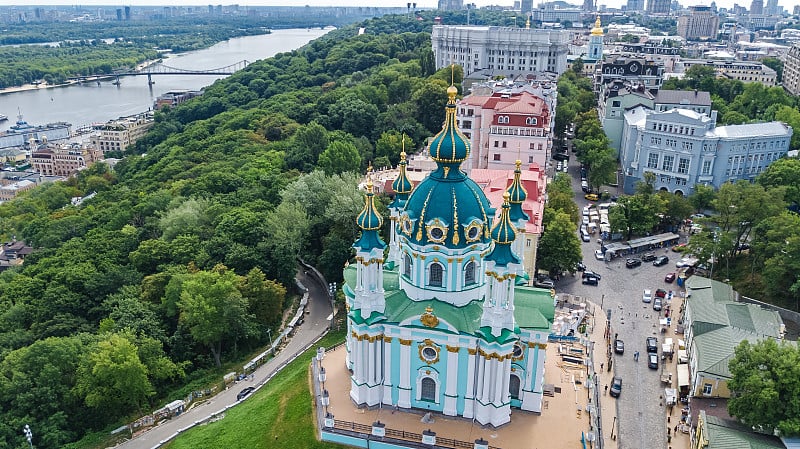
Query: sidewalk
x=608, y=404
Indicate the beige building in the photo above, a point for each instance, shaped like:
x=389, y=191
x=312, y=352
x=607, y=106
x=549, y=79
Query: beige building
x=700, y=23
x=118, y=135
x=744, y=71
x=791, y=70
x=10, y=191
x=63, y=160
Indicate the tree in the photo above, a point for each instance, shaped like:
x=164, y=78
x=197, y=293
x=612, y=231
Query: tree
x=577, y=66
x=213, y=309
x=776, y=65
x=112, y=377
x=559, y=247
x=307, y=143
x=635, y=215
x=791, y=116
x=391, y=144
x=765, y=387
x=340, y=157
x=702, y=197
x=784, y=172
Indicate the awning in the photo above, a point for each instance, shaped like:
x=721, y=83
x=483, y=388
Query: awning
x=683, y=375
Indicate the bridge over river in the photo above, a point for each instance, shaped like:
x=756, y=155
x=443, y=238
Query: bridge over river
x=161, y=69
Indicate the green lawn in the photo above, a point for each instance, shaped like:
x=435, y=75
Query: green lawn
x=277, y=416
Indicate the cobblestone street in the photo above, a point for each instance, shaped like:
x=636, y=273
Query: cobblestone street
x=640, y=407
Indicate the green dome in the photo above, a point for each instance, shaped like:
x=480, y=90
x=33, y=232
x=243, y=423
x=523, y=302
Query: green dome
x=448, y=209
x=450, y=145
x=503, y=234
x=517, y=195
x=369, y=219
x=401, y=185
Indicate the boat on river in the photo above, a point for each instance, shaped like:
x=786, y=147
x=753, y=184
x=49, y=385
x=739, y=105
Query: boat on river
x=22, y=132
x=3, y=118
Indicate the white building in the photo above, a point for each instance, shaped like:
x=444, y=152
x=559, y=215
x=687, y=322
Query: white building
x=522, y=50
x=119, y=134
x=684, y=148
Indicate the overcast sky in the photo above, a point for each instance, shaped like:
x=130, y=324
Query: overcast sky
x=788, y=4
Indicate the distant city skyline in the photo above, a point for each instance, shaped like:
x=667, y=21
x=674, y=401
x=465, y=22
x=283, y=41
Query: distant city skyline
x=786, y=4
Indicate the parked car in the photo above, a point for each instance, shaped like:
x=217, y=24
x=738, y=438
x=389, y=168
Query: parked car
x=619, y=346
x=580, y=267
x=652, y=361
x=633, y=262
x=598, y=254
x=652, y=344
x=589, y=273
x=647, y=295
x=669, y=278
x=661, y=260
x=657, y=304
x=590, y=280
x=544, y=283
x=648, y=257
x=244, y=393
x=616, y=386
x=661, y=293
x=592, y=196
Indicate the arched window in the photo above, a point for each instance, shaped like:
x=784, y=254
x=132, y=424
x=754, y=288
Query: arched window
x=469, y=273
x=407, y=265
x=435, y=275
x=428, y=389
x=513, y=386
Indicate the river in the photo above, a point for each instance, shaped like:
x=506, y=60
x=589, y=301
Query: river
x=91, y=103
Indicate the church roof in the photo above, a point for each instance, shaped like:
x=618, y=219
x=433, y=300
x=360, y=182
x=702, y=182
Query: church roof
x=534, y=308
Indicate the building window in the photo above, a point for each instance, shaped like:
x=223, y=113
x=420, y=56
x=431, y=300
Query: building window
x=467, y=125
x=530, y=121
x=530, y=159
x=667, y=163
x=513, y=386
x=428, y=390
x=652, y=160
x=407, y=265
x=496, y=143
x=707, y=167
x=469, y=274
x=504, y=144
x=683, y=165
x=496, y=157
x=616, y=104
x=707, y=389
x=435, y=275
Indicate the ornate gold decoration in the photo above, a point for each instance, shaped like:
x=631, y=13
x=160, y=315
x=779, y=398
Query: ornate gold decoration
x=428, y=372
x=455, y=216
x=406, y=225
x=472, y=351
x=428, y=318
x=387, y=339
x=446, y=170
x=542, y=345
x=449, y=260
x=430, y=348
x=404, y=342
x=453, y=348
x=432, y=229
x=422, y=216
x=532, y=344
x=469, y=234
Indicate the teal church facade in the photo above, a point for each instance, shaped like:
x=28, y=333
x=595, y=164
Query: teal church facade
x=436, y=321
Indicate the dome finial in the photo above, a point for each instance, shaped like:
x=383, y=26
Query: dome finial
x=598, y=28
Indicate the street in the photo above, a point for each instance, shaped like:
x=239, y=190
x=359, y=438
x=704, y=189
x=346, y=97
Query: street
x=640, y=410
x=316, y=323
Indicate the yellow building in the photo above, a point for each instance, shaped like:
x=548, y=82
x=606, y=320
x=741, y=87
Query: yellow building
x=716, y=433
x=716, y=325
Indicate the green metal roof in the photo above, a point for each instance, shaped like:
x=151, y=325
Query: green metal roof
x=534, y=307
x=725, y=434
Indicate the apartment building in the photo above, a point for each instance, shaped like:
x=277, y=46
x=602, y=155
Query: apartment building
x=634, y=70
x=504, y=126
x=699, y=23
x=63, y=160
x=791, y=70
x=744, y=71
x=119, y=134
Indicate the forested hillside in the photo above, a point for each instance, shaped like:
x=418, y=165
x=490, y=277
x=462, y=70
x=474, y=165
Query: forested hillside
x=186, y=255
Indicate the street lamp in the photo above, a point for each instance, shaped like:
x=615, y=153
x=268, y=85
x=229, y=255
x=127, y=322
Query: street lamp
x=332, y=295
x=28, y=434
x=271, y=348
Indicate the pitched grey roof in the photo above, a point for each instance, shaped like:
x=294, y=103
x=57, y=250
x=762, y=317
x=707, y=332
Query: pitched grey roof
x=685, y=97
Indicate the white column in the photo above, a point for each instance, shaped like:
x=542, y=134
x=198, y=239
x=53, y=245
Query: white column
x=387, y=370
x=469, y=393
x=451, y=389
x=404, y=401
x=371, y=368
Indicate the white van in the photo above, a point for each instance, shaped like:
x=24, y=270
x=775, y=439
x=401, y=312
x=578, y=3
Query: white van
x=584, y=186
x=585, y=235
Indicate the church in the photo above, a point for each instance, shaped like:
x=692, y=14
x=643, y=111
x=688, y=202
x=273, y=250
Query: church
x=441, y=320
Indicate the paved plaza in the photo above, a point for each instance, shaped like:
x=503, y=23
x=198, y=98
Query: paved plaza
x=559, y=426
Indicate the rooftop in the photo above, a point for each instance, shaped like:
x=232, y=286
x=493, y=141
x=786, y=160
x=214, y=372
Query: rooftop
x=768, y=129
x=683, y=97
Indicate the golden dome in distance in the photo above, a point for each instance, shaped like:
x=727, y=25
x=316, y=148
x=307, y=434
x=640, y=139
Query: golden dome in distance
x=598, y=29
